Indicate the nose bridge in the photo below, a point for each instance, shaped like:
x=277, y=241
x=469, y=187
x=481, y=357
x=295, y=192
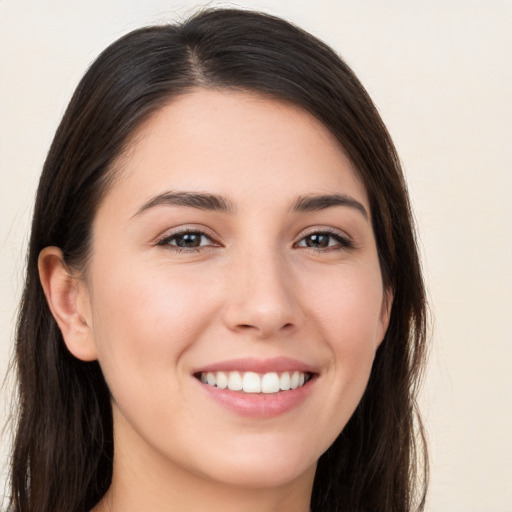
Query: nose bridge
x=261, y=298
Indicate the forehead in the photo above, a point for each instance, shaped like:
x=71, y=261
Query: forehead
x=241, y=145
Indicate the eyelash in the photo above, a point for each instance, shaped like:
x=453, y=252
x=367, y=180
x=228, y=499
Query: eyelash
x=342, y=242
x=166, y=241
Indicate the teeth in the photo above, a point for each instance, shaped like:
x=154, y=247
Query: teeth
x=210, y=379
x=221, y=380
x=284, y=381
x=251, y=382
x=234, y=381
x=270, y=383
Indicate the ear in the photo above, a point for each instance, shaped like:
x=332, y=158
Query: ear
x=68, y=300
x=385, y=314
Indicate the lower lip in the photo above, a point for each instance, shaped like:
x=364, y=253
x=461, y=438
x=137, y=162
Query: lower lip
x=259, y=405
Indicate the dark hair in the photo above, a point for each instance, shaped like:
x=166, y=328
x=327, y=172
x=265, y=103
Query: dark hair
x=63, y=452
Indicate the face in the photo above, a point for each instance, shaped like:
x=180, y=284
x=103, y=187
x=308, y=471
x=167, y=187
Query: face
x=234, y=250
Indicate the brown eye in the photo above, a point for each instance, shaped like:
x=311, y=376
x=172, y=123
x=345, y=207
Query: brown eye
x=325, y=240
x=318, y=241
x=187, y=240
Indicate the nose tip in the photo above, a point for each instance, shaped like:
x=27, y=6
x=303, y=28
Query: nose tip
x=261, y=304
x=263, y=326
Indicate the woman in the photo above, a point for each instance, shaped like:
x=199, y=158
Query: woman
x=223, y=306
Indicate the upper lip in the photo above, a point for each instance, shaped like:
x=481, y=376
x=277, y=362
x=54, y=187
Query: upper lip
x=250, y=364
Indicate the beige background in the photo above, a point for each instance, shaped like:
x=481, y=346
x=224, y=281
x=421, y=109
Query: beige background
x=441, y=75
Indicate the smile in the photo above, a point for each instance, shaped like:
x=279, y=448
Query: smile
x=252, y=382
x=258, y=388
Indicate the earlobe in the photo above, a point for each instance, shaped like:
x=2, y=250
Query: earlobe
x=68, y=302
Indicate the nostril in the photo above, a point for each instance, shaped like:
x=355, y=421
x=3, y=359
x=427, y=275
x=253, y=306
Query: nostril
x=286, y=326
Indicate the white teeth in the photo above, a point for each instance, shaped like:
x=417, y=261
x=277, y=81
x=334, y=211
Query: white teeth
x=222, y=380
x=270, y=383
x=234, y=381
x=251, y=382
x=284, y=381
x=294, y=381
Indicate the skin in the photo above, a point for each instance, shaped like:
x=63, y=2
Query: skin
x=152, y=314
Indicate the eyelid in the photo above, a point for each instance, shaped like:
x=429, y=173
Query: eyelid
x=162, y=239
x=345, y=241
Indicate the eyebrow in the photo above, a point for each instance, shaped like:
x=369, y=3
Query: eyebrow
x=311, y=203
x=199, y=200
x=213, y=202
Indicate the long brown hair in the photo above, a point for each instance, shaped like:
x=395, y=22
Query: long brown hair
x=63, y=451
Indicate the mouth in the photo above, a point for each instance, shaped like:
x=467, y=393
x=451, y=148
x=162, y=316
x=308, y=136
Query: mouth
x=258, y=388
x=255, y=383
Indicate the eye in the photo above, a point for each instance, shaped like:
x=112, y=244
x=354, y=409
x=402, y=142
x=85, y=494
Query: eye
x=322, y=240
x=187, y=240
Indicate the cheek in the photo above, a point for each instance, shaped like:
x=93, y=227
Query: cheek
x=144, y=320
x=348, y=307
x=348, y=310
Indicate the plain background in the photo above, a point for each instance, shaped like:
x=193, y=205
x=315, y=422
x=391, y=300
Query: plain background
x=440, y=73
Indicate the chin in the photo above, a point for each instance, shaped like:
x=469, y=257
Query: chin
x=262, y=466
x=268, y=474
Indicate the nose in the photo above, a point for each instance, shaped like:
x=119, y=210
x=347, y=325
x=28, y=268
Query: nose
x=261, y=298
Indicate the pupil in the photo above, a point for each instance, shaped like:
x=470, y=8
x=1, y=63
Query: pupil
x=189, y=240
x=318, y=241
